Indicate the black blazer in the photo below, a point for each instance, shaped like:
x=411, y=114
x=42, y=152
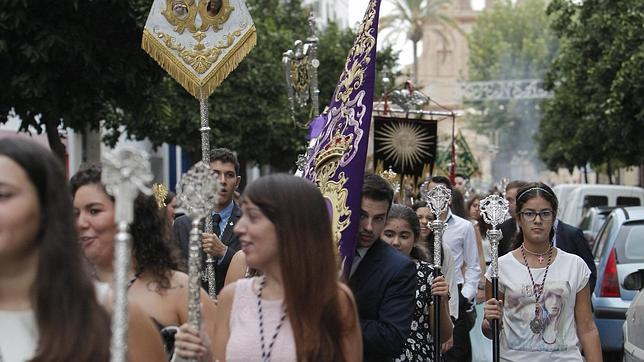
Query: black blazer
x=182, y=226
x=384, y=286
x=571, y=240
x=509, y=230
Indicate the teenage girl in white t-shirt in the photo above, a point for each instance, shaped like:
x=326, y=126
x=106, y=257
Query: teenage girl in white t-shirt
x=544, y=298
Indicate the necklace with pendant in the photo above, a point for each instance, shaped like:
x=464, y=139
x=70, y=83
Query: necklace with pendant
x=536, y=325
x=540, y=256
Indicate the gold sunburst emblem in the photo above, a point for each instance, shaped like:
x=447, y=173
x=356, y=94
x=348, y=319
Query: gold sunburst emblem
x=405, y=144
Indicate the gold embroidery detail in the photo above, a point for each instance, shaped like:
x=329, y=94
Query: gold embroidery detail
x=201, y=58
x=181, y=14
x=197, y=87
x=219, y=18
x=354, y=72
x=326, y=165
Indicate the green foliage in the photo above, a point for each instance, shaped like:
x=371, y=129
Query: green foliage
x=76, y=69
x=510, y=42
x=63, y=64
x=597, y=113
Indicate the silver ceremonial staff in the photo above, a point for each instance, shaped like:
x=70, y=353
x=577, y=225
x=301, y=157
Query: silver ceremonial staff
x=493, y=209
x=196, y=193
x=126, y=172
x=199, y=43
x=438, y=200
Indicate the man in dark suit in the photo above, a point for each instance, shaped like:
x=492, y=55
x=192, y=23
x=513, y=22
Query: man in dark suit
x=509, y=227
x=571, y=240
x=222, y=243
x=382, y=279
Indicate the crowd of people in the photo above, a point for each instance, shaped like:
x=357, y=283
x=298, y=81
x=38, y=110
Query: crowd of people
x=282, y=295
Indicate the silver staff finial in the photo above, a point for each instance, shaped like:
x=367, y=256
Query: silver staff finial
x=125, y=173
x=493, y=209
x=197, y=191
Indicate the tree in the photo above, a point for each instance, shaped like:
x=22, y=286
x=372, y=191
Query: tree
x=80, y=70
x=597, y=113
x=411, y=17
x=510, y=41
x=65, y=65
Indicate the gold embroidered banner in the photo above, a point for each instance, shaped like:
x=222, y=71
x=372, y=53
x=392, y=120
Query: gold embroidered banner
x=199, y=42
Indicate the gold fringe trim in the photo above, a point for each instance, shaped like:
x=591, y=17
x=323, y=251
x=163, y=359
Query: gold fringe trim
x=182, y=74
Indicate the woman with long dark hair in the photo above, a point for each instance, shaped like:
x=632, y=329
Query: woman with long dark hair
x=297, y=310
x=544, y=297
x=49, y=307
x=154, y=279
x=402, y=231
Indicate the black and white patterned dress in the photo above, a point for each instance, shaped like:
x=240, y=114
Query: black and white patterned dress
x=418, y=346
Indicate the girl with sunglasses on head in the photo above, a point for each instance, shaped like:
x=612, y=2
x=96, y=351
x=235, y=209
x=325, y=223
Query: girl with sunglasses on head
x=538, y=282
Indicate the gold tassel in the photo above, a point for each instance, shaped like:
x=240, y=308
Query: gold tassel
x=196, y=87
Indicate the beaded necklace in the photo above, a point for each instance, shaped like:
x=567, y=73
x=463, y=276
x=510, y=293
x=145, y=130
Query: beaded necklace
x=266, y=354
x=537, y=324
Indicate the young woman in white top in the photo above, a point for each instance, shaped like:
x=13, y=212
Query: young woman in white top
x=544, y=298
x=297, y=310
x=49, y=310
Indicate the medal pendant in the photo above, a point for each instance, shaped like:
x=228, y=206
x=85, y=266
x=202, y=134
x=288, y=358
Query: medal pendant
x=536, y=325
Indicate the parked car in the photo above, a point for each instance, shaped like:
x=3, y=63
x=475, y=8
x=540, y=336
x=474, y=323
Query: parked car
x=577, y=202
x=618, y=252
x=593, y=221
x=634, y=324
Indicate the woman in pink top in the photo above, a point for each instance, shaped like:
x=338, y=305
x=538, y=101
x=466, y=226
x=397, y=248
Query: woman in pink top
x=297, y=310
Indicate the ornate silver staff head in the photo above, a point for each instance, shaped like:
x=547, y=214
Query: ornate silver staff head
x=438, y=200
x=493, y=209
x=125, y=173
x=198, y=190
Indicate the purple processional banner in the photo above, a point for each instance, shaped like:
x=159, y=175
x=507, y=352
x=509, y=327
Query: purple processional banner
x=336, y=160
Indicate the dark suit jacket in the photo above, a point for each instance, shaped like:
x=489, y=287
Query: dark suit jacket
x=182, y=226
x=509, y=230
x=384, y=286
x=571, y=240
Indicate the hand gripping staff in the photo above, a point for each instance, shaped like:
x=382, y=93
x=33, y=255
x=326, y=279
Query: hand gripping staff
x=493, y=209
x=438, y=200
x=126, y=172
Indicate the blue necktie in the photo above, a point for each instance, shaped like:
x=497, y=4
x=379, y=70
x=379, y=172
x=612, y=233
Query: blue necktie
x=216, y=219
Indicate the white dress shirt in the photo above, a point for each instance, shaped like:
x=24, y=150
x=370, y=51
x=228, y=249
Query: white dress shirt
x=460, y=237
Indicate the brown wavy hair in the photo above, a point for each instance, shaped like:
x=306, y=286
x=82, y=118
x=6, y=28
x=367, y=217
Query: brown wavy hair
x=309, y=264
x=63, y=296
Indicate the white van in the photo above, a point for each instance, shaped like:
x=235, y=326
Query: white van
x=575, y=204
x=562, y=191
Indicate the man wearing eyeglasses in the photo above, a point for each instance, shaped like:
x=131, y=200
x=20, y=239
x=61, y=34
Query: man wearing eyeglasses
x=222, y=243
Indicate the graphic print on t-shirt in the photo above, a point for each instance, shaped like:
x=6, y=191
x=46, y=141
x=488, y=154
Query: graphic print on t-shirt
x=520, y=311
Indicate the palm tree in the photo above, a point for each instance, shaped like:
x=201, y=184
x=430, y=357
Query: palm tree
x=411, y=17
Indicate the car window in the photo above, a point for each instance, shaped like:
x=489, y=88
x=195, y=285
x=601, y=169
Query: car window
x=585, y=222
x=628, y=201
x=599, y=221
x=594, y=200
x=632, y=237
x=600, y=242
